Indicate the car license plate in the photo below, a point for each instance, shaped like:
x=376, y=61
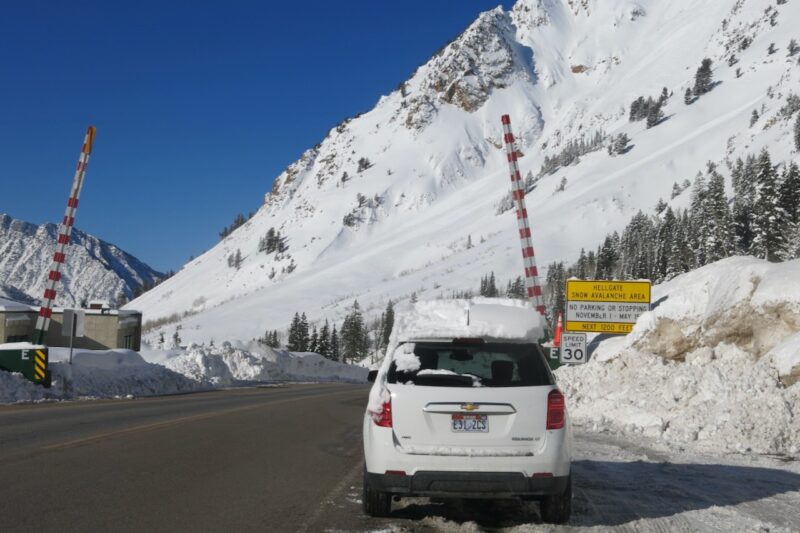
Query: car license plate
x=469, y=423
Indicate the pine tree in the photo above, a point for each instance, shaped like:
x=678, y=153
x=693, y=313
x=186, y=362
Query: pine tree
x=719, y=233
x=665, y=244
x=607, y=257
x=789, y=192
x=620, y=145
x=702, y=79
x=491, y=287
x=754, y=118
x=293, y=344
x=388, y=325
x=555, y=289
x=681, y=256
x=770, y=222
x=469, y=242
x=176, y=340
x=303, y=337
x=797, y=133
x=161, y=339
x=334, y=351
x=355, y=342
x=654, y=115
x=687, y=96
x=414, y=297
x=237, y=259
x=313, y=341
x=698, y=230
x=744, y=189
x=324, y=341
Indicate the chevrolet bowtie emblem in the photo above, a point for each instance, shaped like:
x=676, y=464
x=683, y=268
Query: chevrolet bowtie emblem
x=470, y=406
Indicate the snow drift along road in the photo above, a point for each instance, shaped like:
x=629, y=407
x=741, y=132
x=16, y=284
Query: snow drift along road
x=124, y=373
x=713, y=366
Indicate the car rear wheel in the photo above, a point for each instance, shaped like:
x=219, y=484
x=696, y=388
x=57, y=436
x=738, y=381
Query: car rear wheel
x=556, y=509
x=376, y=503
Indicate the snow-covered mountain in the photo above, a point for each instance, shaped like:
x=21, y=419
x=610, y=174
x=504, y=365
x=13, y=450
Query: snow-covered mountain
x=94, y=269
x=408, y=197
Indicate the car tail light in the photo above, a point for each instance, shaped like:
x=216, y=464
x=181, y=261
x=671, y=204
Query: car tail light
x=542, y=474
x=395, y=473
x=384, y=418
x=556, y=410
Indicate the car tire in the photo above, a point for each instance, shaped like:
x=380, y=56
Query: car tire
x=557, y=508
x=376, y=503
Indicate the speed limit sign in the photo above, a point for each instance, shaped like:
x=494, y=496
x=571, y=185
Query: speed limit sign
x=573, y=348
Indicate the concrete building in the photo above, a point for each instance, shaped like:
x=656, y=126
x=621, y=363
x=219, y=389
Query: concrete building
x=105, y=328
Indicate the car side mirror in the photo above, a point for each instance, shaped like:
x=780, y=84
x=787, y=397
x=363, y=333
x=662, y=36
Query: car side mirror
x=372, y=375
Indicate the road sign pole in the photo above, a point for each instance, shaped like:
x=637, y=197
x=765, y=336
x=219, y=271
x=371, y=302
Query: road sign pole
x=64, y=233
x=534, y=290
x=72, y=328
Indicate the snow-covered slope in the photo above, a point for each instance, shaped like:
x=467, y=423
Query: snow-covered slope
x=385, y=205
x=94, y=269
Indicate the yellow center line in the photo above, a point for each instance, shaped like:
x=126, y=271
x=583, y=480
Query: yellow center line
x=176, y=421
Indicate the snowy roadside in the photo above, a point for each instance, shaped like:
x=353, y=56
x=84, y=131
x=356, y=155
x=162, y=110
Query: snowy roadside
x=713, y=367
x=626, y=483
x=127, y=374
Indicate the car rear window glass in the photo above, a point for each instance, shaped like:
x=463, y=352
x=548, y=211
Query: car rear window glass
x=484, y=365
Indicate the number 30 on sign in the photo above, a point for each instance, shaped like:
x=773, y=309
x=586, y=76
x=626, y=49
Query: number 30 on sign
x=573, y=349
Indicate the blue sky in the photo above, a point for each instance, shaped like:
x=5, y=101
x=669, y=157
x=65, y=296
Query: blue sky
x=198, y=105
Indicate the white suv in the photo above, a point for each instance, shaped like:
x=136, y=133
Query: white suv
x=468, y=418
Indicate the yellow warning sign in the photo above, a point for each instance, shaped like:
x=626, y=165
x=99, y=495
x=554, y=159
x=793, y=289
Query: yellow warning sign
x=605, y=306
x=608, y=291
x=40, y=364
x=599, y=327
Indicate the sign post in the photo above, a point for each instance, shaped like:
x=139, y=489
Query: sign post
x=74, y=326
x=610, y=307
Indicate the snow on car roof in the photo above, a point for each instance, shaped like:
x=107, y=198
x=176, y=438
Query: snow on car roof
x=486, y=318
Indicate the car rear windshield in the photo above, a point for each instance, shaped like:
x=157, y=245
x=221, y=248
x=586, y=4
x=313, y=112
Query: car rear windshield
x=484, y=365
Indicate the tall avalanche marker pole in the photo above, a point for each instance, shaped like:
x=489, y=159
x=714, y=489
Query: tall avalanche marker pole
x=64, y=232
x=518, y=194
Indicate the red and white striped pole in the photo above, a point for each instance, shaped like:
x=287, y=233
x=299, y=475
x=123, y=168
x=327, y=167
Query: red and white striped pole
x=518, y=194
x=64, y=232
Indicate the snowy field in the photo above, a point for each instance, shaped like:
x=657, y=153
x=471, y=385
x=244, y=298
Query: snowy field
x=128, y=374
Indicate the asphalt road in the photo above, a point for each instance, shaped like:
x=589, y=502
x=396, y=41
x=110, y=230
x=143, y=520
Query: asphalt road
x=259, y=459
x=290, y=459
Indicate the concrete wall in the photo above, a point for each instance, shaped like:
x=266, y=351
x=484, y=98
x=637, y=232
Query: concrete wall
x=103, y=329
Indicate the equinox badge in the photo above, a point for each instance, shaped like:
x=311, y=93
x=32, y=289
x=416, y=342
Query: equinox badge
x=470, y=406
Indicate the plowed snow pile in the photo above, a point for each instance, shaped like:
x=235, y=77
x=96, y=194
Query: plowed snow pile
x=714, y=365
x=124, y=373
x=228, y=365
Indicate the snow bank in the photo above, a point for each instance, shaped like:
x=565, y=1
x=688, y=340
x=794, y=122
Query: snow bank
x=227, y=365
x=494, y=318
x=786, y=358
x=20, y=346
x=96, y=374
x=740, y=300
x=124, y=373
x=714, y=365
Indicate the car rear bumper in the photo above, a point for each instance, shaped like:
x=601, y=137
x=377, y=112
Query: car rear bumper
x=467, y=484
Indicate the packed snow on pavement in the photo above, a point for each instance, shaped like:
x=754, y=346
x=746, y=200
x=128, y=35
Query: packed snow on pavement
x=623, y=483
x=127, y=374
